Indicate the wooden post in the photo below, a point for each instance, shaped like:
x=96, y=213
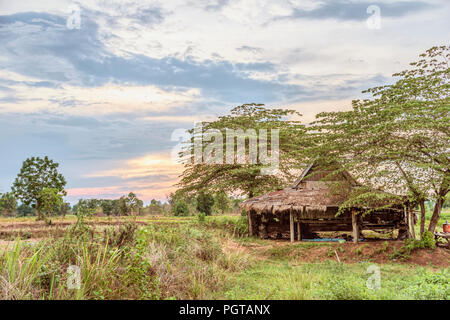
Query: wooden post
x=299, y=232
x=250, y=226
x=411, y=222
x=355, y=226
x=291, y=220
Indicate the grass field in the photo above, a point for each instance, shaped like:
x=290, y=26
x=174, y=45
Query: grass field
x=156, y=257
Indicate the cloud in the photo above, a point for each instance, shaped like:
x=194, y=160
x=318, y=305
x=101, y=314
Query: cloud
x=150, y=176
x=96, y=98
x=42, y=47
x=254, y=50
x=356, y=11
x=216, y=5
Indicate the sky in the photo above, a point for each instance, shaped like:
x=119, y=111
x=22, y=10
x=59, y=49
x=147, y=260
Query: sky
x=101, y=86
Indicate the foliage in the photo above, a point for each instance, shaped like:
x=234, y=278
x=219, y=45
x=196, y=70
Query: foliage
x=25, y=210
x=155, y=207
x=65, y=209
x=129, y=205
x=244, y=178
x=201, y=217
x=155, y=262
x=139, y=269
x=205, y=202
x=221, y=201
x=107, y=207
x=397, y=140
x=84, y=209
x=8, y=203
x=409, y=245
x=35, y=175
x=51, y=201
x=180, y=209
x=236, y=226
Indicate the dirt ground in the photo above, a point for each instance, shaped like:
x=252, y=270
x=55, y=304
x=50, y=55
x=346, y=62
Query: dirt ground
x=374, y=251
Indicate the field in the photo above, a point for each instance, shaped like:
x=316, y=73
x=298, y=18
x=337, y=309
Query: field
x=159, y=257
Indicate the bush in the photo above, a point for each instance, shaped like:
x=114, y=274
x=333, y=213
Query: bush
x=201, y=217
x=180, y=209
x=205, y=201
x=427, y=240
x=409, y=245
x=237, y=227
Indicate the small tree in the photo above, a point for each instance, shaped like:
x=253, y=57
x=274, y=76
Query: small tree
x=51, y=201
x=222, y=202
x=180, y=208
x=65, y=209
x=35, y=175
x=204, y=203
x=155, y=207
x=107, y=207
x=133, y=203
x=25, y=210
x=84, y=209
x=8, y=204
x=122, y=206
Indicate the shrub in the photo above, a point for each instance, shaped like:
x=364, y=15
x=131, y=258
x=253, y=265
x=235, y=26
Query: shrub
x=180, y=209
x=201, y=217
x=205, y=201
x=409, y=245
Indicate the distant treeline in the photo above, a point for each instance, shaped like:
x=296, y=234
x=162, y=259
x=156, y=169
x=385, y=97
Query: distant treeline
x=130, y=204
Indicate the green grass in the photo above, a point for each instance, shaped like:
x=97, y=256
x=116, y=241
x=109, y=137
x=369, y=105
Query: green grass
x=185, y=258
x=331, y=280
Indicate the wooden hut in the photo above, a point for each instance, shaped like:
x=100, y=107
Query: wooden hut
x=311, y=205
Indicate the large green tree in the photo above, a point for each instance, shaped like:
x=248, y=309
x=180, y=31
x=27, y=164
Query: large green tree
x=243, y=177
x=35, y=175
x=396, y=140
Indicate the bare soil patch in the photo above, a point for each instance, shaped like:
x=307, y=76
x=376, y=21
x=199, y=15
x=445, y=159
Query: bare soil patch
x=371, y=251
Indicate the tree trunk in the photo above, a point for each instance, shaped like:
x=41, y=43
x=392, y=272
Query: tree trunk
x=422, y=217
x=38, y=210
x=411, y=222
x=436, y=214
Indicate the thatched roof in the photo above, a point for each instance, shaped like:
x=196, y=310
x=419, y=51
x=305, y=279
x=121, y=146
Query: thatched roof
x=306, y=195
x=299, y=200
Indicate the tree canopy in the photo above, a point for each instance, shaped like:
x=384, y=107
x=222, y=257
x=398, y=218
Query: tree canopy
x=35, y=175
x=8, y=203
x=397, y=140
x=236, y=177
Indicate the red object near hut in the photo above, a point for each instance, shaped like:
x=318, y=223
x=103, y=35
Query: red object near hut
x=446, y=227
